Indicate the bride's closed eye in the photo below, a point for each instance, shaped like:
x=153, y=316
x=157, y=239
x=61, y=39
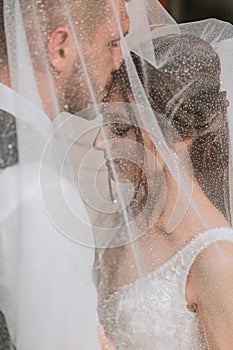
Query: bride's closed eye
x=120, y=129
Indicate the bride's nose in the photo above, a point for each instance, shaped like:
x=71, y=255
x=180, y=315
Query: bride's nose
x=99, y=143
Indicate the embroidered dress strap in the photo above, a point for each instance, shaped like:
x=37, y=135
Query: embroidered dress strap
x=197, y=245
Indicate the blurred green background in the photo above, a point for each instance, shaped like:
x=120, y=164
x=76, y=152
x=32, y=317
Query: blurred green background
x=189, y=10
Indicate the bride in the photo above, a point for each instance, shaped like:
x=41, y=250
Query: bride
x=172, y=287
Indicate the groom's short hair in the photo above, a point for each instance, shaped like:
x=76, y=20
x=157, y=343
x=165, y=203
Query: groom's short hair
x=86, y=15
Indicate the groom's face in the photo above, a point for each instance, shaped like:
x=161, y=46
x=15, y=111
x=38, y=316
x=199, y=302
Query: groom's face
x=101, y=55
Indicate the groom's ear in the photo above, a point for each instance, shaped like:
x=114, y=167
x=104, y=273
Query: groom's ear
x=61, y=49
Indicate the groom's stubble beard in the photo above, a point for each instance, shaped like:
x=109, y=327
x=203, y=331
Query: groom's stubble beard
x=77, y=94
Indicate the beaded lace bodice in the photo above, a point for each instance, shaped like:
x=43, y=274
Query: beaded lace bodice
x=151, y=313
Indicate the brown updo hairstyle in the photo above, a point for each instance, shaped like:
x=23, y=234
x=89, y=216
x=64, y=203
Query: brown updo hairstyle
x=186, y=90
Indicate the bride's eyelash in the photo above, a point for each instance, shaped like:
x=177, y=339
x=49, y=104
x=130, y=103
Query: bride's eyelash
x=119, y=129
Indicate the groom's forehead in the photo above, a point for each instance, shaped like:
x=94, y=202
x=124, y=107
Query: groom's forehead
x=118, y=16
x=115, y=21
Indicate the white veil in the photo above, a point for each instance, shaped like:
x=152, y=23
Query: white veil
x=58, y=194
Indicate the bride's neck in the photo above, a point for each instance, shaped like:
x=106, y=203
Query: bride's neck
x=5, y=76
x=188, y=210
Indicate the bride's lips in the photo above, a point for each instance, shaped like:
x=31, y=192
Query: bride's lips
x=113, y=169
x=111, y=163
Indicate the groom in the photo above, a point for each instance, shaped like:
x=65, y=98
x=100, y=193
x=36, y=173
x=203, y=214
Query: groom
x=102, y=52
x=97, y=30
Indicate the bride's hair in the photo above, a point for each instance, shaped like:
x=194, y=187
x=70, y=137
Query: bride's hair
x=185, y=90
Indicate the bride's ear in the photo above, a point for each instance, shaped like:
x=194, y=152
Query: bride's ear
x=182, y=146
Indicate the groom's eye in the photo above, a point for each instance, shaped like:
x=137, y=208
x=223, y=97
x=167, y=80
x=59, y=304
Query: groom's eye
x=114, y=43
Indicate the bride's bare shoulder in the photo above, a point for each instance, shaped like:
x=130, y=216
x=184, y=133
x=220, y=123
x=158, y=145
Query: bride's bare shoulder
x=210, y=288
x=212, y=270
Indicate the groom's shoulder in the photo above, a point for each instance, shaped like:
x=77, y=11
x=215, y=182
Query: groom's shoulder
x=8, y=140
x=18, y=184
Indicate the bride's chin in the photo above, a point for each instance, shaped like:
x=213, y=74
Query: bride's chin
x=116, y=176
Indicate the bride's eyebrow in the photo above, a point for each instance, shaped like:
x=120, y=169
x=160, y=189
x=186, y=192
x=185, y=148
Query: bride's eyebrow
x=116, y=117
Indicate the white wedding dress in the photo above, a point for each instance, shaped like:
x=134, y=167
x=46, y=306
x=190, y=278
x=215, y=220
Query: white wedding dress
x=151, y=313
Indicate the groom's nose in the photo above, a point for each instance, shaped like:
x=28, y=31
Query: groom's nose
x=124, y=22
x=117, y=58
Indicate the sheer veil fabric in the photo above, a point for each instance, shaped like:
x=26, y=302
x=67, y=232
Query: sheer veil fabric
x=120, y=136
